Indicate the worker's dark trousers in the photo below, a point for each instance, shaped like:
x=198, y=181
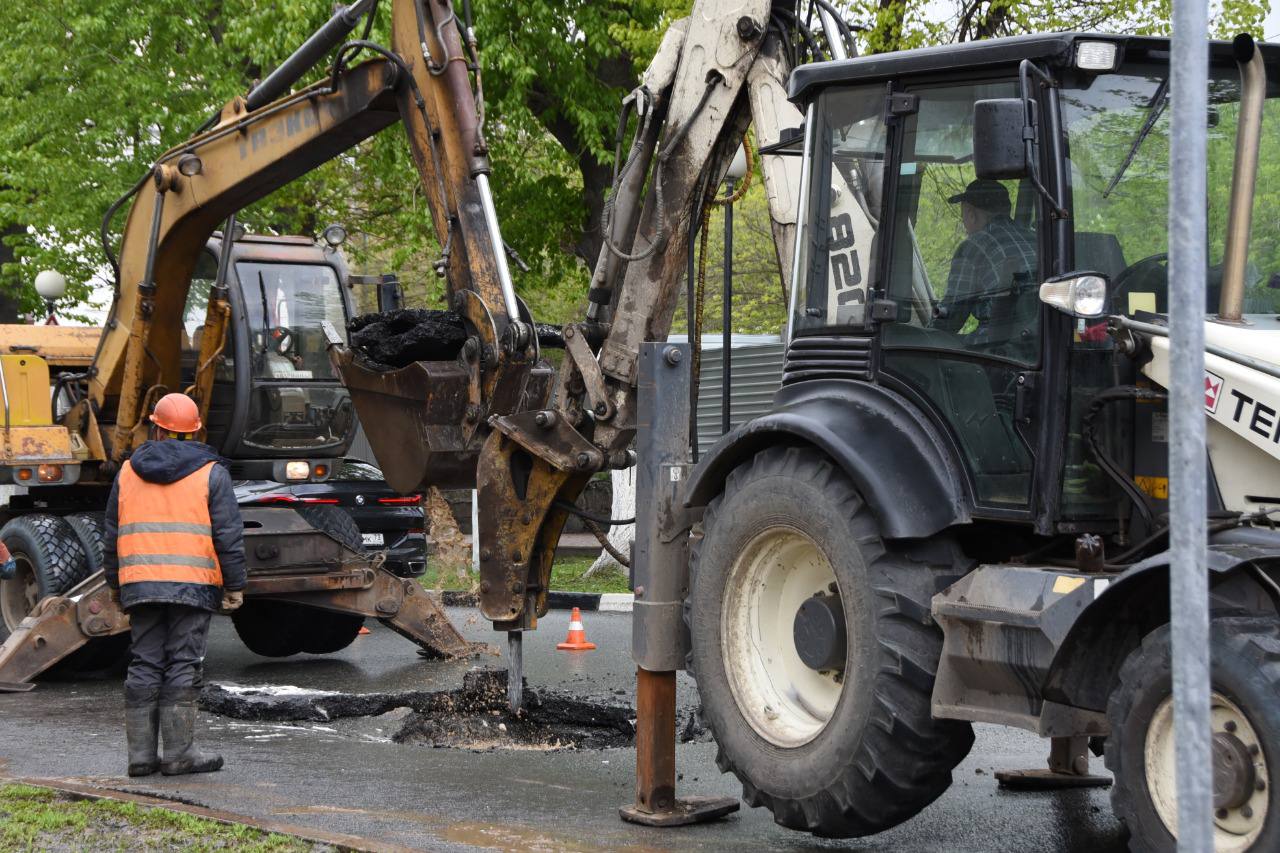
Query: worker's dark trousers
x=169, y=642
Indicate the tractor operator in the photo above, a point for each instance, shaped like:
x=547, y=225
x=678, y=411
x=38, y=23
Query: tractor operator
x=991, y=263
x=174, y=554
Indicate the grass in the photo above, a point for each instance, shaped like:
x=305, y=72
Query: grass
x=566, y=576
x=41, y=819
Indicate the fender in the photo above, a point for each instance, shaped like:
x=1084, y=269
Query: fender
x=1088, y=660
x=900, y=464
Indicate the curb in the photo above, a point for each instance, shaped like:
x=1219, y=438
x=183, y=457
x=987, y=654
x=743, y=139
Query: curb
x=610, y=602
x=79, y=790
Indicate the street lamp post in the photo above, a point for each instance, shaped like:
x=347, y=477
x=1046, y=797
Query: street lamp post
x=52, y=286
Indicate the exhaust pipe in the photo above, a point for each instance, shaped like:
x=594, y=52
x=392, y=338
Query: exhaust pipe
x=1253, y=93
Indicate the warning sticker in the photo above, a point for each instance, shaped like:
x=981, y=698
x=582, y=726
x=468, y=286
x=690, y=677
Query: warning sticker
x=1157, y=487
x=1212, y=391
x=1160, y=427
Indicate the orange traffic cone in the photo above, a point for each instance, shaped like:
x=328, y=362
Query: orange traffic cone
x=364, y=630
x=577, y=639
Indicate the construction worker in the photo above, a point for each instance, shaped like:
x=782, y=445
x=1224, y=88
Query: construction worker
x=174, y=554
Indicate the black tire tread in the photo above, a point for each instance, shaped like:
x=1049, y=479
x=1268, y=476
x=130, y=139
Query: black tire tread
x=66, y=563
x=90, y=527
x=334, y=521
x=906, y=756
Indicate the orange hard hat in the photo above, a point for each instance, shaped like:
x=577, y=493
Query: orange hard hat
x=177, y=413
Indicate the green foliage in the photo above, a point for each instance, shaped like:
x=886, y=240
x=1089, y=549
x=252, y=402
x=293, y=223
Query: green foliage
x=34, y=818
x=93, y=90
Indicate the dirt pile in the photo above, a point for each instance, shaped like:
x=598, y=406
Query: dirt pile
x=398, y=338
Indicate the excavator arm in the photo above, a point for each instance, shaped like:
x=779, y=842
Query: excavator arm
x=714, y=73
x=259, y=143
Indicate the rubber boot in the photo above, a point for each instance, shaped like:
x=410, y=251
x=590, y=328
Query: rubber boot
x=177, y=725
x=142, y=727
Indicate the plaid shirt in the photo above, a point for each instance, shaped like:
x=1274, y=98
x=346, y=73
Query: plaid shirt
x=986, y=267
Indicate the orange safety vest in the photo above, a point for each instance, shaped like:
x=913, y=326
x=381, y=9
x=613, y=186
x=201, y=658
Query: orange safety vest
x=165, y=532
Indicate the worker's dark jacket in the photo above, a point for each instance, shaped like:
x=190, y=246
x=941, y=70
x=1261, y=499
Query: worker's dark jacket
x=173, y=528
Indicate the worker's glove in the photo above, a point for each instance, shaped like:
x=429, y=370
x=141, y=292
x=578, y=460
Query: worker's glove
x=231, y=601
x=8, y=569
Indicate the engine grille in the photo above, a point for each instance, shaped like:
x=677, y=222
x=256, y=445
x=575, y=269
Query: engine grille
x=844, y=357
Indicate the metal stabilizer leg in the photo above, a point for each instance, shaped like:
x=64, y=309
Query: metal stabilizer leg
x=658, y=639
x=58, y=626
x=1068, y=768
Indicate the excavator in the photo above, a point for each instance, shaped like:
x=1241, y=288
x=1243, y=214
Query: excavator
x=955, y=511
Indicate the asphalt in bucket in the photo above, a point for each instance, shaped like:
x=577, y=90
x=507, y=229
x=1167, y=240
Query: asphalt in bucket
x=474, y=717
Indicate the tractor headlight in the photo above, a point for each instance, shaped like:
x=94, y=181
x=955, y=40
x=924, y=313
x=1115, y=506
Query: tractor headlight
x=1078, y=294
x=1096, y=55
x=297, y=471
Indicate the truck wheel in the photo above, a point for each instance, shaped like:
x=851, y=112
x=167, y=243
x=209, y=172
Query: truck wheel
x=50, y=560
x=90, y=529
x=269, y=628
x=814, y=651
x=1245, y=710
x=324, y=633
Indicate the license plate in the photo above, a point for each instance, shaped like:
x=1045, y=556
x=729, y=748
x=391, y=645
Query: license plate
x=372, y=538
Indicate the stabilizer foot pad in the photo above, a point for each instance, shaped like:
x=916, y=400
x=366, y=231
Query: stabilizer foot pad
x=14, y=687
x=1048, y=780
x=687, y=811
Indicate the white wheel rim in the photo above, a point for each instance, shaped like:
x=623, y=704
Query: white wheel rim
x=1234, y=829
x=784, y=701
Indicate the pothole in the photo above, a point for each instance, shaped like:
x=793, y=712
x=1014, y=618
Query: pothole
x=474, y=717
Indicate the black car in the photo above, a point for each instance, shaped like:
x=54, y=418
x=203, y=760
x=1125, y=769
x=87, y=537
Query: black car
x=388, y=521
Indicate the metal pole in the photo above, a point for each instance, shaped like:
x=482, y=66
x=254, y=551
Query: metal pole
x=659, y=640
x=1188, y=536
x=726, y=316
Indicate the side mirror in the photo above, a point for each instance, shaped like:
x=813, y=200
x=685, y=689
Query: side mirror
x=999, y=149
x=1080, y=294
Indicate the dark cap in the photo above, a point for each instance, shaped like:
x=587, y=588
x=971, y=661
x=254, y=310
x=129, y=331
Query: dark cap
x=984, y=194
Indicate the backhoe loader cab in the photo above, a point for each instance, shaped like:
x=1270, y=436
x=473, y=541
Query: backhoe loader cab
x=955, y=510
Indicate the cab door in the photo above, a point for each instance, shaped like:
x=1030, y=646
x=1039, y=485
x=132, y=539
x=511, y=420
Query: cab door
x=963, y=322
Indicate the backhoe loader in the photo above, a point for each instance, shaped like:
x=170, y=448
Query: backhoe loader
x=956, y=510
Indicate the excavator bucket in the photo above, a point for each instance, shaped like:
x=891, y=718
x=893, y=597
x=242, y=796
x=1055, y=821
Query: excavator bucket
x=416, y=420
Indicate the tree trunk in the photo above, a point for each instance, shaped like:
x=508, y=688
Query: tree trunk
x=10, y=285
x=620, y=536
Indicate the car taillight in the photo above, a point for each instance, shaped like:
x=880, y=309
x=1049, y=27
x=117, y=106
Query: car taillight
x=401, y=500
x=318, y=500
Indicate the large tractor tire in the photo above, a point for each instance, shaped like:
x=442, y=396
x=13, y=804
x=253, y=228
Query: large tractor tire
x=814, y=651
x=283, y=628
x=1245, y=713
x=90, y=528
x=50, y=560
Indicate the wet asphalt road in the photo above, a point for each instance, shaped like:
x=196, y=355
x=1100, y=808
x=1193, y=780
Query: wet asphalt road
x=348, y=777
